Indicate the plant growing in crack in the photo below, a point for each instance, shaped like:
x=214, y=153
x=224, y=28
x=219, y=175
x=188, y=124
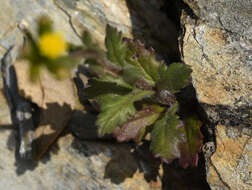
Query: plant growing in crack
x=136, y=93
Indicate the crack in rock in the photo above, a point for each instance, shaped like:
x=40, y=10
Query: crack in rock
x=69, y=18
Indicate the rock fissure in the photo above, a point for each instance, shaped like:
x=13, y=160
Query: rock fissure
x=220, y=177
x=69, y=18
x=221, y=38
x=205, y=56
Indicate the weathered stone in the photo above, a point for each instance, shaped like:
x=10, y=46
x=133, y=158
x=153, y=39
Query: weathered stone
x=28, y=11
x=221, y=75
x=71, y=17
x=136, y=19
x=231, y=166
x=74, y=165
x=217, y=45
x=95, y=15
x=5, y=117
x=233, y=16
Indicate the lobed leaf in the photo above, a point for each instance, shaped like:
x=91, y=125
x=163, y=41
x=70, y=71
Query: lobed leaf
x=135, y=127
x=146, y=58
x=99, y=67
x=167, y=136
x=116, y=109
x=134, y=72
x=117, y=49
x=174, y=77
x=172, y=138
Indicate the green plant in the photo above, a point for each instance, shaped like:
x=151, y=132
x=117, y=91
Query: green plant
x=135, y=92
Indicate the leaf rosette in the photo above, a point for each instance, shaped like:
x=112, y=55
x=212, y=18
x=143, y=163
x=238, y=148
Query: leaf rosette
x=140, y=98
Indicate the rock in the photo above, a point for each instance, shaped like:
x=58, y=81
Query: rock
x=217, y=44
x=74, y=165
x=71, y=17
x=94, y=15
x=55, y=100
x=27, y=12
x=221, y=66
x=231, y=167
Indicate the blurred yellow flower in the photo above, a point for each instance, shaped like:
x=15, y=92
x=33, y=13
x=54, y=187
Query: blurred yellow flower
x=52, y=45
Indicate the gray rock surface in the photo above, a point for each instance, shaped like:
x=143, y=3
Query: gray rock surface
x=221, y=50
x=217, y=43
x=71, y=165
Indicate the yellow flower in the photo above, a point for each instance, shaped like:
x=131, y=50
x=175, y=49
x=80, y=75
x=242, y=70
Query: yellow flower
x=52, y=45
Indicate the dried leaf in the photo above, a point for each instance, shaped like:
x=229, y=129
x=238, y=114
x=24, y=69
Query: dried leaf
x=190, y=150
x=134, y=128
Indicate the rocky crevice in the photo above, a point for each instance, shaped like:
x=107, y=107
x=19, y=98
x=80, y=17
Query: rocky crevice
x=221, y=76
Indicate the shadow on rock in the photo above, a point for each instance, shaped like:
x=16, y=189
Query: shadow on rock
x=156, y=29
x=118, y=161
x=49, y=124
x=177, y=178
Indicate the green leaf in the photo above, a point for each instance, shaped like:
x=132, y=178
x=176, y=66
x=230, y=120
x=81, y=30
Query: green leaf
x=95, y=68
x=88, y=41
x=174, y=77
x=146, y=58
x=150, y=65
x=117, y=49
x=44, y=25
x=172, y=139
x=118, y=80
x=101, y=66
x=141, y=68
x=116, y=109
x=135, y=127
x=167, y=135
x=106, y=85
x=189, y=150
x=32, y=54
x=134, y=73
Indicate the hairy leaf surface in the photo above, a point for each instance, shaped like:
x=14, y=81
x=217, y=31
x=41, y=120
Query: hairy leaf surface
x=118, y=80
x=141, y=65
x=146, y=58
x=117, y=49
x=116, y=109
x=134, y=72
x=167, y=136
x=172, y=139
